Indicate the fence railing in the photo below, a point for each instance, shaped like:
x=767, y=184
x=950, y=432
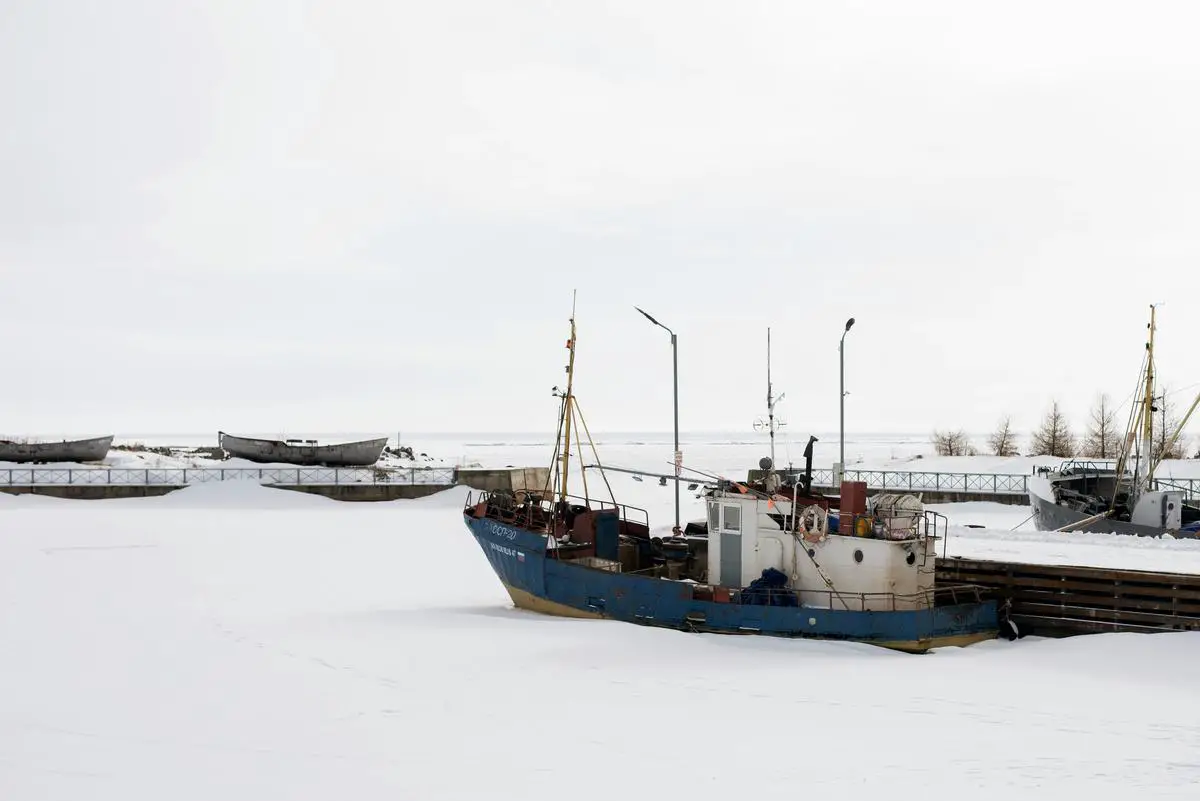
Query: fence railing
x=178, y=477
x=904, y=480
x=898, y=480
x=983, y=483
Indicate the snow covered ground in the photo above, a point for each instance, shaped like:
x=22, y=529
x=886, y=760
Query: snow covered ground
x=244, y=642
x=238, y=641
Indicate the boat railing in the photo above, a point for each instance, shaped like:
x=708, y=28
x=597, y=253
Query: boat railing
x=881, y=527
x=1190, y=487
x=935, y=525
x=946, y=595
x=1088, y=466
x=921, y=524
x=531, y=506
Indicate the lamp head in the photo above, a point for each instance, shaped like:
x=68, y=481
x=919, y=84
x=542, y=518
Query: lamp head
x=849, y=323
x=648, y=317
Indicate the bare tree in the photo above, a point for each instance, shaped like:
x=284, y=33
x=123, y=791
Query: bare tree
x=1101, y=440
x=953, y=443
x=1166, y=420
x=1054, y=438
x=1003, y=440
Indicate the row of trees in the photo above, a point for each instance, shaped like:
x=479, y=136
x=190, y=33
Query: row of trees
x=1101, y=438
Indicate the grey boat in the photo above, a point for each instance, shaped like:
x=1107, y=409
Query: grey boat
x=1085, y=496
x=75, y=450
x=306, y=452
x=1092, y=496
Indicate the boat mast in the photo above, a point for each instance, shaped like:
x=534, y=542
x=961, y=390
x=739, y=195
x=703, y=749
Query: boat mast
x=1148, y=404
x=568, y=403
x=770, y=401
x=770, y=423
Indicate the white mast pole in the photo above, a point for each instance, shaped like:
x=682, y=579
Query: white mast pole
x=770, y=401
x=1148, y=405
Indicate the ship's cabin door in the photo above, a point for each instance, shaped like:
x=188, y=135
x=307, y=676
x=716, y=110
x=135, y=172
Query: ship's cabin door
x=731, y=544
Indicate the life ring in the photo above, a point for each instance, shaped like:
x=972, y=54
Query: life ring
x=814, y=524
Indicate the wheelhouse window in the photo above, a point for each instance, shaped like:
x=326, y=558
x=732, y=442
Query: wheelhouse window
x=732, y=517
x=714, y=517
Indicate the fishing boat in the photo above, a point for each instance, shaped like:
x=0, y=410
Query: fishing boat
x=770, y=558
x=305, y=452
x=75, y=450
x=1124, y=497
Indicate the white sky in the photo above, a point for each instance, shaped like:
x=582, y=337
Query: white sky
x=354, y=216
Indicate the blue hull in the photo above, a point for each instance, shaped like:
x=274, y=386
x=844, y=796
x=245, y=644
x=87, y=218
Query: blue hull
x=562, y=588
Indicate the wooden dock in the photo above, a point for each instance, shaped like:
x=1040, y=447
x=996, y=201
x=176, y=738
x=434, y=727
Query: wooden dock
x=1059, y=601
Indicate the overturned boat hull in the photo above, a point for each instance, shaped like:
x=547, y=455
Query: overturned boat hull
x=270, y=451
x=79, y=450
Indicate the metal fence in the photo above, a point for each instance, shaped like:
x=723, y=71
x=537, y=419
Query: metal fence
x=983, y=483
x=898, y=480
x=903, y=480
x=178, y=477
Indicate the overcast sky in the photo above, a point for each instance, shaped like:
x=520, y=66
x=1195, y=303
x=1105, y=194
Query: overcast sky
x=370, y=216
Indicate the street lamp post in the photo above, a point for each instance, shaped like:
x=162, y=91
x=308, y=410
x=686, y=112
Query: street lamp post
x=842, y=400
x=675, y=373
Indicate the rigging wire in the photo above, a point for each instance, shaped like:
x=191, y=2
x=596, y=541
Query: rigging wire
x=1130, y=423
x=552, y=475
x=592, y=443
x=1136, y=388
x=1181, y=389
x=1023, y=522
x=579, y=450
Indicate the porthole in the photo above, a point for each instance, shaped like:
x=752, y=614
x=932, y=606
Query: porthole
x=911, y=558
x=858, y=556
